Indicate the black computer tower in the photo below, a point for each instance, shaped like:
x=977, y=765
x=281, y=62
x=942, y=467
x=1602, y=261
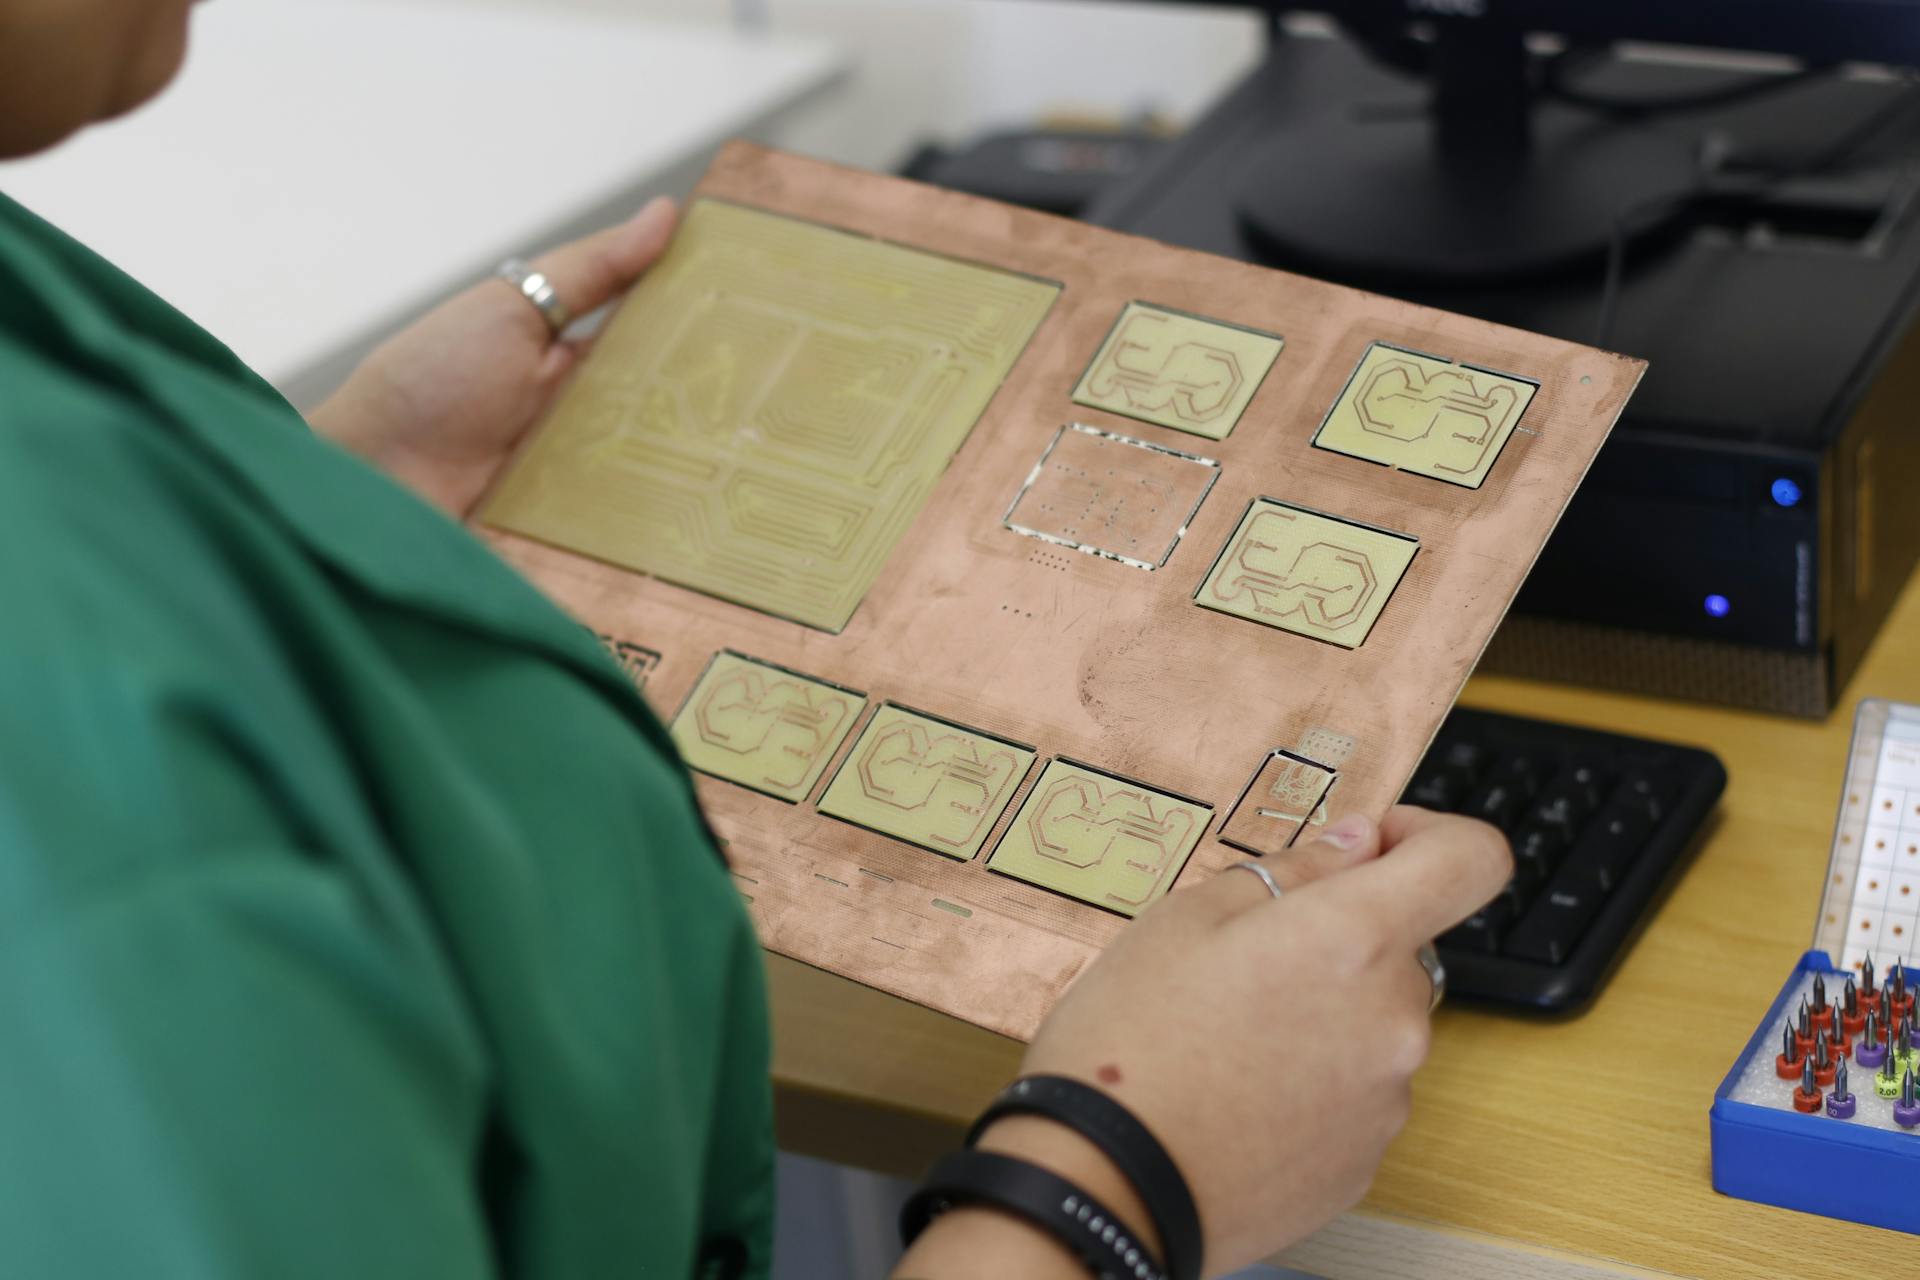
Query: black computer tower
x=1745, y=533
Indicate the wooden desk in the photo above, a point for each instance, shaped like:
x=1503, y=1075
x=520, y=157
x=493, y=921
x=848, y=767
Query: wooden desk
x=1573, y=1148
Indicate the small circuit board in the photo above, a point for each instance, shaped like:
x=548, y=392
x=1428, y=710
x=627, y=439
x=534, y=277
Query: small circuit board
x=1000, y=574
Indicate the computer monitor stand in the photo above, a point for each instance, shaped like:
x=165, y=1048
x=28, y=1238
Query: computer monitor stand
x=1480, y=179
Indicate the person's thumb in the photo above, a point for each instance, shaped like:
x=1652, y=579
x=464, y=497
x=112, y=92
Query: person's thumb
x=1344, y=843
x=590, y=273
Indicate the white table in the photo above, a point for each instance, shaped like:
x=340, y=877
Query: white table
x=325, y=169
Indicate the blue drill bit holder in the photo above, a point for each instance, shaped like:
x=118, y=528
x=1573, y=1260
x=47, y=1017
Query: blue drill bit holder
x=1811, y=1162
x=1865, y=1169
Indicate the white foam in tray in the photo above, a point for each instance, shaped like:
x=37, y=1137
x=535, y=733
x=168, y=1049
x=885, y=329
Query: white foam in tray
x=1761, y=1085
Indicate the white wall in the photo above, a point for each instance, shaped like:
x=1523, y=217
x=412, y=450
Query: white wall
x=948, y=68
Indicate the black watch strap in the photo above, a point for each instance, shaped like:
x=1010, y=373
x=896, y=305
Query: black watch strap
x=1135, y=1152
x=1085, y=1226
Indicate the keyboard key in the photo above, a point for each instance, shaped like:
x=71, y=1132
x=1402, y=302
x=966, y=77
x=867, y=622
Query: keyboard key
x=1563, y=809
x=1529, y=878
x=1463, y=757
x=1589, y=782
x=1645, y=793
x=1527, y=770
x=1478, y=932
x=1550, y=931
x=1513, y=901
x=1539, y=849
x=1606, y=850
x=1439, y=789
x=1496, y=802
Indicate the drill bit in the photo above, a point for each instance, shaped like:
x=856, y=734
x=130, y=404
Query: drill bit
x=1850, y=998
x=1899, y=981
x=1906, y=1109
x=1866, y=974
x=1869, y=1053
x=1806, y=1099
x=1819, y=991
x=1840, y=1103
x=1821, y=1058
x=1804, y=1025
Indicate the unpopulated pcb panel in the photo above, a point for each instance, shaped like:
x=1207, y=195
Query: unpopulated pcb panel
x=1000, y=575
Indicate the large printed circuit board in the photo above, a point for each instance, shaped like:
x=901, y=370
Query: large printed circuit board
x=999, y=574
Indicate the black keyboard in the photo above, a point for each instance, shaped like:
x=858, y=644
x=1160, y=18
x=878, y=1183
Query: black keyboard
x=1597, y=822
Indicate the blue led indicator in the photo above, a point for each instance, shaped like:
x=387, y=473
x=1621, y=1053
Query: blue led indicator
x=1718, y=606
x=1786, y=492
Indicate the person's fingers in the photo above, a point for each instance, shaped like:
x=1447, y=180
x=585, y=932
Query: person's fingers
x=558, y=361
x=590, y=273
x=1345, y=842
x=1341, y=844
x=1404, y=820
x=1442, y=871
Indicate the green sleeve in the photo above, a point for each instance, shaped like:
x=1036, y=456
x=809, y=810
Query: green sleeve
x=218, y=1059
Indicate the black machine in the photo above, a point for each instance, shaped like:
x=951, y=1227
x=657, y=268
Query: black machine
x=1752, y=232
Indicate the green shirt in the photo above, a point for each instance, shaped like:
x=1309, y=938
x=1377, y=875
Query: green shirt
x=356, y=918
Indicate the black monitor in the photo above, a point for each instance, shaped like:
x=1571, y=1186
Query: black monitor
x=1501, y=166
x=1883, y=31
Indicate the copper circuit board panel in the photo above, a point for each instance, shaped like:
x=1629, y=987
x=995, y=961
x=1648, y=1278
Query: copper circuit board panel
x=999, y=574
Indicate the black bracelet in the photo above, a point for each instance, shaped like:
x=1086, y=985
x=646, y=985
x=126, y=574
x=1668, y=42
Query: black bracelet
x=1135, y=1152
x=1085, y=1226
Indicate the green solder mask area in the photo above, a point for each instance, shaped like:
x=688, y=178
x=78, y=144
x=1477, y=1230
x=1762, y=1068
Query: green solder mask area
x=769, y=411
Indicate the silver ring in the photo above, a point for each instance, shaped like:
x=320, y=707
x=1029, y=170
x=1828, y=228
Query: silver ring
x=1266, y=876
x=537, y=289
x=1436, y=973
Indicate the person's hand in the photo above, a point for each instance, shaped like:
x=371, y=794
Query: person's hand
x=1268, y=1044
x=440, y=405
